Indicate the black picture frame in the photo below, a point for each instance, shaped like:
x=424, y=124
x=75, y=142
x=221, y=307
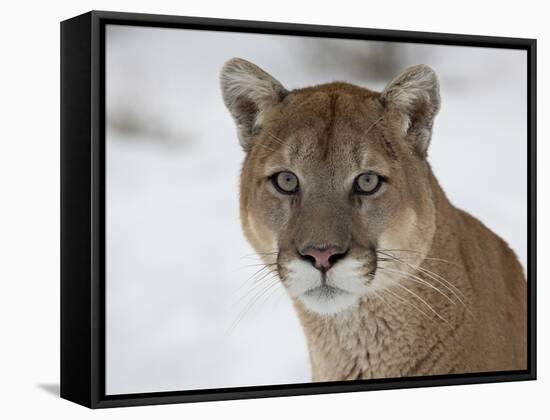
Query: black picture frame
x=83, y=209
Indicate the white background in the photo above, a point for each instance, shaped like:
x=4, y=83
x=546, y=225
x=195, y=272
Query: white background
x=184, y=309
x=29, y=225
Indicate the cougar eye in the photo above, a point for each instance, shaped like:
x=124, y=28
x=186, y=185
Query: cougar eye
x=285, y=182
x=367, y=183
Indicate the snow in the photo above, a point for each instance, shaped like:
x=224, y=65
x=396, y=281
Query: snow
x=177, y=263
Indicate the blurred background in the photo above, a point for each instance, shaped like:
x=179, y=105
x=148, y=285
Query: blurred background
x=180, y=311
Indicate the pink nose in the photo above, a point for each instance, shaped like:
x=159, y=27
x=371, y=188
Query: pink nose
x=323, y=259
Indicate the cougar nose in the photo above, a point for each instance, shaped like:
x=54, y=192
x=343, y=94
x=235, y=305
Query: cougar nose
x=323, y=258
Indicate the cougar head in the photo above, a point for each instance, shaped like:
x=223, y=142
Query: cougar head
x=334, y=175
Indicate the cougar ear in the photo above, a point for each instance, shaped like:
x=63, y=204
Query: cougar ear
x=415, y=95
x=248, y=92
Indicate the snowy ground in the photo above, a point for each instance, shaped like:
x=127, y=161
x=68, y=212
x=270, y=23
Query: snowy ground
x=176, y=258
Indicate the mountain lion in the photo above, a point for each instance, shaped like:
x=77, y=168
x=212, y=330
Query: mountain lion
x=337, y=197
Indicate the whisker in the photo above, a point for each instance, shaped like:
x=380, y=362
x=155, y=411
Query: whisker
x=384, y=301
x=417, y=279
x=420, y=299
x=437, y=278
x=257, y=254
x=257, y=265
x=257, y=277
x=261, y=292
x=444, y=282
x=258, y=282
x=251, y=303
x=271, y=293
x=406, y=302
x=420, y=253
x=424, y=302
x=263, y=267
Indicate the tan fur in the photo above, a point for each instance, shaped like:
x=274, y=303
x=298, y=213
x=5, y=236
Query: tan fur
x=327, y=135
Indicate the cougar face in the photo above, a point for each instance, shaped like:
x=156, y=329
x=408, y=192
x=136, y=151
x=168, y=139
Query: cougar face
x=334, y=176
